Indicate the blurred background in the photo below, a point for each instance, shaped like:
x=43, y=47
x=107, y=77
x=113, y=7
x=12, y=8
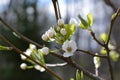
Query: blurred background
x=33, y=17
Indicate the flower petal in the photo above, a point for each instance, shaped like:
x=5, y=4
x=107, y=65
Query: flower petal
x=66, y=54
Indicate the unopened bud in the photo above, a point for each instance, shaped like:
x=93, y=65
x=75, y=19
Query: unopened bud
x=63, y=31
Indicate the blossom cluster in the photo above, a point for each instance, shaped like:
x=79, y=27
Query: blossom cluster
x=36, y=54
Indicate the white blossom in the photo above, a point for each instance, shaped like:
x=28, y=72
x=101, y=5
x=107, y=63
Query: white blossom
x=44, y=37
x=45, y=50
x=63, y=31
x=69, y=47
x=27, y=52
x=96, y=61
x=50, y=32
x=60, y=21
x=23, y=66
x=32, y=46
x=39, y=68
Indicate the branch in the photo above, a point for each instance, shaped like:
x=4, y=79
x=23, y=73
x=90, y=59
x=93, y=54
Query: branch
x=94, y=37
x=93, y=76
x=19, y=34
x=108, y=2
x=91, y=53
x=114, y=17
x=20, y=52
x=73, y=64
x=55, y=9
x=112, y=23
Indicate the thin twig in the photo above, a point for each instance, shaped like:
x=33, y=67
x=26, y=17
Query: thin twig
x=106, y=45
x=19, y=34
x=55, y=9
x=59, y=10
x=20, y=52
x=93, y=76
x=92, y=54
x=111, y=25
x=94, y=37
x=108, y=2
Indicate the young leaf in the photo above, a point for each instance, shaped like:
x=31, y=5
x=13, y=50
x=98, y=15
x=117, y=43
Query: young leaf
x=82, y=75
x=84, y=24
x=114, y=56
x=71, y=78
x=103, y=51
x=78, y=76
x=4, y=48
x=103, y=37
x=90, y=19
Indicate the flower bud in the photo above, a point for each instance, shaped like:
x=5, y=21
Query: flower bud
x=45, y=50
x=63, y=31
x=37, y=67
x=60, y=21
x=32, y=46
x=23, y=66
x=50, y=32
x=44, y=37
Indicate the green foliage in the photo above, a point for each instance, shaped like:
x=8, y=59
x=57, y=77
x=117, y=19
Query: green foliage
x=86, y=24
x=90, y=19
x=103, y=37
x=79, y=76
x=114, y=56
x=71, y=78
x=103, y=51
x=59, y=38
x=4, y=48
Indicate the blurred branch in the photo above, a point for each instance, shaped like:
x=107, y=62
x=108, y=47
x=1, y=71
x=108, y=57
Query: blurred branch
x=55, y=9
x=19, y=34
x=92, y=54
x=94, y=37
x=93, y=76
x=20, y=52
x=114, y=17
x=109, y=3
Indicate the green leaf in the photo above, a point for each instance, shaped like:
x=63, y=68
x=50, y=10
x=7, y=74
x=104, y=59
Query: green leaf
x=90, y=19
x=84, y=24
x=71, y=78
x=70, y=28
x=4, y=48
x=78, y=76
x=114, y=15
x=103, y=51
x=103, y=37
x=41, y=56
x=16, y=35
x=114, y=56
x=82, y=75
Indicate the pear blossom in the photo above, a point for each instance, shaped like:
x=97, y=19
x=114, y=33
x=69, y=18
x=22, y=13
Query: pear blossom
x=23, y=66
x=96, y=61
x=50, y=32
x=32, y=46
x=44, y=37
x=60, y=22
x=27, y=52
x=63, y=31
x=69, y=47
x=45, y=50
x=41, y=69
